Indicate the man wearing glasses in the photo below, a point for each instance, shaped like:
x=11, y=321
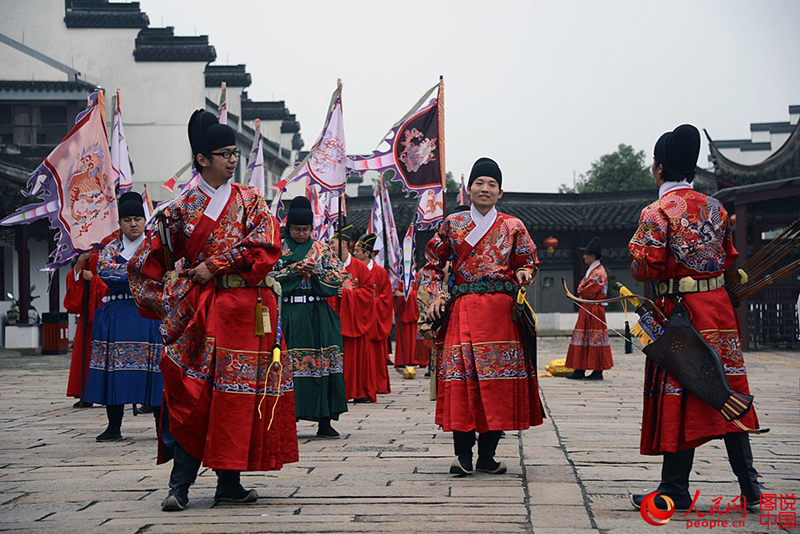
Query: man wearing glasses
x=203, y=271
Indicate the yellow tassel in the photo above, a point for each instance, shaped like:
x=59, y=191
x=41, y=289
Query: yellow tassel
x=259, y=316
x=639, y=332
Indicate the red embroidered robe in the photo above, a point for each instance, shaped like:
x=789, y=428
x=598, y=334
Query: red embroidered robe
x=686, y=233
x=406, y=339
x=218, y=385
x=73, y=303
x=381, y=329
x=485, y=380
x=590, y=347
x=354, y=307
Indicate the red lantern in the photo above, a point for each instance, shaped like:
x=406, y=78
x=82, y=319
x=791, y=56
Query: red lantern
x=551, y=243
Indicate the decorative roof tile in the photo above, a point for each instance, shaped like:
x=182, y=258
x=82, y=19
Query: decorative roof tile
x=103, y=14
x=781, y=164
x=161, y=44
x=297, y=141
x=232, y=75
x=80, y=88
x=266, y=111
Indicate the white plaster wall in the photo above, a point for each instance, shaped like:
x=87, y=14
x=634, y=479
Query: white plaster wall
x=157, y=98
x=16, y=65
x=271, y=130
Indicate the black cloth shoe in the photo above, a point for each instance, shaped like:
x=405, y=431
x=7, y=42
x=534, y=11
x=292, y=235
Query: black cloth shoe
x=325, y=430
x=461, y=467
x=577, y=374
x=681, y=502
x=109, y=435
x=174, y=502
x=361, y=400
x=490, y=466
x=83, y=405
x=238, y=495
x=595, y=375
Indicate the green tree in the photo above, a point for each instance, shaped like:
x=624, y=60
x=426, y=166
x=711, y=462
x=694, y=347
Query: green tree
x=394, y=186
x=623, y=170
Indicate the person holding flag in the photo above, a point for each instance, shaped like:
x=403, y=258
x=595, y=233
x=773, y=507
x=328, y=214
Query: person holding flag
x=309, y=272
x=126, y=348
x=486, y=383
x=354, y=307
x=228, y=398
x=382, y=308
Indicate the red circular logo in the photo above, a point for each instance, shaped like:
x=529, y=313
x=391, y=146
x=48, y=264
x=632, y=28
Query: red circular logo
x=652, y=514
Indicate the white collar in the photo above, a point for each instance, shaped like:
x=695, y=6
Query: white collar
x=482, y=224
x=347, y=261
x=370, y=264
x=595, y=263
x=129, y=247
x=666, y=187
x=219, y=197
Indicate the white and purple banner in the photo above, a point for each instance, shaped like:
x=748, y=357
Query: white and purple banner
x=75, y=185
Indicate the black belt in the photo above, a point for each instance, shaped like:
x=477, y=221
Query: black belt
x=484, y=287
x=301, y=299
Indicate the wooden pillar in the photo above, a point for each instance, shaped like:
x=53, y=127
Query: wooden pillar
x=742, y=228
x=24, y=270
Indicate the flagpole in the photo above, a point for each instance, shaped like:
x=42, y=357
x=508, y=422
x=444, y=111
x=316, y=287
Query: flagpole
x=442, y=166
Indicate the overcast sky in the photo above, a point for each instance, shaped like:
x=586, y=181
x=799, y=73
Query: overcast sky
x=544, y=88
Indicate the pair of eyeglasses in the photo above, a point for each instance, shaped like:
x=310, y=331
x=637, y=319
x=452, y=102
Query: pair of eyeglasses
x=227, y=153
x=301, y=229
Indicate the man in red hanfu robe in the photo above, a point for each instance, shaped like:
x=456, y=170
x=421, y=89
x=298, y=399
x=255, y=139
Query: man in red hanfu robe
x=407, y=335
x=354, y=306
x=590, y=347
x=84, y=294
x=486, y=382
x=382, y=307
x=686, y=236
x=226, y=402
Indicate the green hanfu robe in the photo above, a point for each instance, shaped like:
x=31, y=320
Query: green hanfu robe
x=312, y=329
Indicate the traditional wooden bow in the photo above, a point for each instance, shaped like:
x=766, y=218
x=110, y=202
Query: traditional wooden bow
x=634, y=299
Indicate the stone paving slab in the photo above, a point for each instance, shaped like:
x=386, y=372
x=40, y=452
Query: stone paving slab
x=388, y=473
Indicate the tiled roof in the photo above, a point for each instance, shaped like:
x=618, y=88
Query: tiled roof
x=103, y=14
x=266, y=111
x=232, y=75
x=297, y=141
x=541, y=212
x=161, y=44
x=80, y=88
x=290, y=125
x=783, y=163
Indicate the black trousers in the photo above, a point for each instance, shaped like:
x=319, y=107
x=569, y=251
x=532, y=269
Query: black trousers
x=184, y=473
x=677, y=466
x=487, y=444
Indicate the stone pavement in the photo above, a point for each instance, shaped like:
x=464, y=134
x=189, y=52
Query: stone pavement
x=389, y=472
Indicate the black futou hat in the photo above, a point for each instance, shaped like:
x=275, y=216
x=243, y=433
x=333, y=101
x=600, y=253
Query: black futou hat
x=344, y=234
x=130, y=205
x=207, y=134
x=300, y=212
x=677, y=151
x=594, y=247
x=486, y=167
x=367, y=242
